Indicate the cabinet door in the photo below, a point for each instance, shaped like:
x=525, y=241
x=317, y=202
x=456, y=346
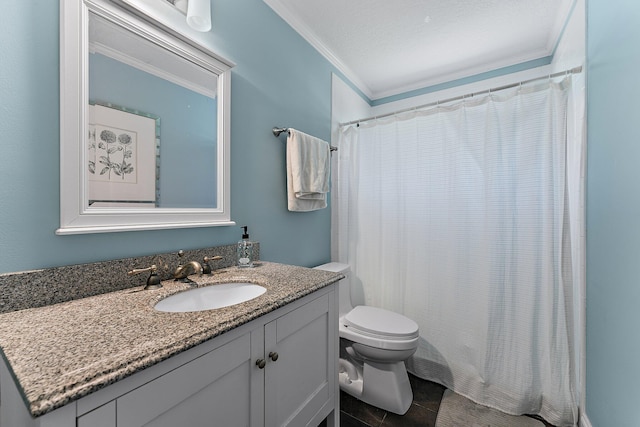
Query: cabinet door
x=299, y=383
x=104, y=416
x=212, y=390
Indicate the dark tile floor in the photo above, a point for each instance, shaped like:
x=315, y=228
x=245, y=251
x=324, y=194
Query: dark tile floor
x=423, y=412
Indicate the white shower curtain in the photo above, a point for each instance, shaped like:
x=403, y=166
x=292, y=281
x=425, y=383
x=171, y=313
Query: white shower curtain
x=460, y=217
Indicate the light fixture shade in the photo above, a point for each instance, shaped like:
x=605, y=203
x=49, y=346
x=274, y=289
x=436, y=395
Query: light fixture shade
x=199, y=15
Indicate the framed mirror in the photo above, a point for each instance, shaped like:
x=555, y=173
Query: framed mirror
x=144, y=136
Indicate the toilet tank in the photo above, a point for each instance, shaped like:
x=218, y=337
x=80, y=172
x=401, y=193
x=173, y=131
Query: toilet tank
x=344, y=285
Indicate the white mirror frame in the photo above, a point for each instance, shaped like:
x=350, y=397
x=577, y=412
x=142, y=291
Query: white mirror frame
x=75, y=216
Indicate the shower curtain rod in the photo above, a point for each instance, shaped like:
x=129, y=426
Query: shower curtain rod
x=575, y=70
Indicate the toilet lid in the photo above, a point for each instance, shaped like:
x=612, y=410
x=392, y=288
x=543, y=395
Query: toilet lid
x=378, y=321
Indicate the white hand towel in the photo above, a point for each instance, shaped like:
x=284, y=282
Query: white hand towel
x=308, y=166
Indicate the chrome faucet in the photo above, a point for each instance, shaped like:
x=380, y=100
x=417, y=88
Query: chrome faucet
x=183, y=270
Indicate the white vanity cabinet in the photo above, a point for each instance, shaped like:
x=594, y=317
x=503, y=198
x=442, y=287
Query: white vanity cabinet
x=209, y=390
x=300, y=377
x=277, y=370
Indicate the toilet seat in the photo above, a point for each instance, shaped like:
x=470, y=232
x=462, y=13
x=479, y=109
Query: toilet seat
x=381, y=322
x=380, y=328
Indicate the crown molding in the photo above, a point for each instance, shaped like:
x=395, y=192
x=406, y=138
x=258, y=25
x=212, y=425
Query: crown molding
x=459, y=75
x=404, y=87
x=306, y=33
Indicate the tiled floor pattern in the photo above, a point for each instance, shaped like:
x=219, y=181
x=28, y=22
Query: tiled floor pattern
x=423, y=412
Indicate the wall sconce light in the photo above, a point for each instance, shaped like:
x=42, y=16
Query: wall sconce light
x=198, y=13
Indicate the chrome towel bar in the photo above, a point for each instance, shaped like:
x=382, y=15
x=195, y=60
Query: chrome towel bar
x=277, y=131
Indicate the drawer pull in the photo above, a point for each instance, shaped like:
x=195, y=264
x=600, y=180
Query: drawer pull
x=260, y=363
x=273, y=355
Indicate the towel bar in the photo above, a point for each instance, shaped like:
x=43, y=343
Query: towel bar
x=277, y=131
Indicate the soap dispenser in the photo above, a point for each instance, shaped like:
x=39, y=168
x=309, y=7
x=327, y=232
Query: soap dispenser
x=245, y=250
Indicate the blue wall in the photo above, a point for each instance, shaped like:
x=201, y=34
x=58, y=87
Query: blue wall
x=279, y=80
x=613, y=213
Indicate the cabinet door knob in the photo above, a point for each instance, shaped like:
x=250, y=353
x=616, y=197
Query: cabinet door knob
x=260, y=363
x=273, y=355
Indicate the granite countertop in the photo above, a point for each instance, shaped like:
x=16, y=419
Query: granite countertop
x=62, y=352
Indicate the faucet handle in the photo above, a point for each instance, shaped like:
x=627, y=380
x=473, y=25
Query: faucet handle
x=135, y=271
x=206, y=268
x=153, y=281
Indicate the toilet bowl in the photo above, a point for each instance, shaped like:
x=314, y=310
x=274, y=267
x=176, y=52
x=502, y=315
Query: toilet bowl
x=374, y=345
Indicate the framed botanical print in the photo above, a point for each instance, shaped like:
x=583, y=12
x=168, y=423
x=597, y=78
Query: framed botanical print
x=122, y=157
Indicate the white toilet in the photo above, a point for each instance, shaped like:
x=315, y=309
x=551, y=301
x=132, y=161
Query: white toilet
x=376, y=342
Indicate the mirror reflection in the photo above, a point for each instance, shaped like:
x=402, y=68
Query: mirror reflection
x=152, y=124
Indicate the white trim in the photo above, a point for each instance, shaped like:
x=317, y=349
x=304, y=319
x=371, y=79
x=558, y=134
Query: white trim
x=311, y=38
x=75, y=215
x=169, y=18
x=153, y=54
x=468, y=72
x=150, y=69
x=141, y=227
x=301, y=28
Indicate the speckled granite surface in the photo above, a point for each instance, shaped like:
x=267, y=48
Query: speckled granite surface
x=59, y=353
x=39, y=288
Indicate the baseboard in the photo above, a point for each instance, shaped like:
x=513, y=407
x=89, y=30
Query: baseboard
x=584, y=421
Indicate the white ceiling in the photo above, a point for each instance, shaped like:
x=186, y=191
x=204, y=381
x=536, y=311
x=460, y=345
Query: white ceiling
x=387, y=47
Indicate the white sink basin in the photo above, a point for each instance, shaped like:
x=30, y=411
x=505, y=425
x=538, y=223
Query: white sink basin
x=210, y=297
